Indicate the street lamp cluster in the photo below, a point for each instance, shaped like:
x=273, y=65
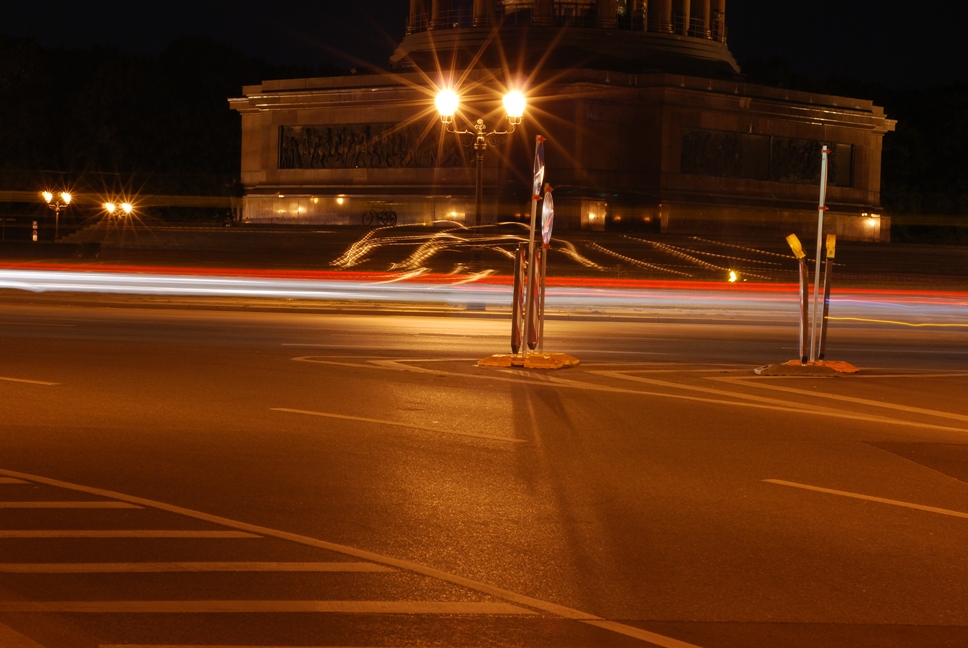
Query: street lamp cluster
x=447, y=102
x=111, y=208
x=57, y=203
x=60, y=201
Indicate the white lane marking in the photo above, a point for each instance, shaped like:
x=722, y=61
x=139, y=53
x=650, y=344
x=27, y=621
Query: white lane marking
x=119, y=533
x=272, y=607
x=10, y=638
x=29, y=382
x=36, y=324
x=11, y=480
x=869, y=498
x=396, y=424
x=484, y=588
x=67, y=505
x=863, y=376
x=760, y=402
x=847, y=399
x=189, y=567
x=575, y=384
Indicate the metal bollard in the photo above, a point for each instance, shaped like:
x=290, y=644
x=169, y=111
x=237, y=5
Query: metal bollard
x=801, y=256
x=534, y=288
x=804, y=308
x=828, y=267
x=518, y=297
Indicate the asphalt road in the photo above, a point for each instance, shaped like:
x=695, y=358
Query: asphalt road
x=173, y=477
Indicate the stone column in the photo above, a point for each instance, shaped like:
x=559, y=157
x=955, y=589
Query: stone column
x=704, y=32
x=544, y=12
x=440, y=17
x=660, y=16
x=607, y=13
x=482, y=13
x=686, y=6
x=639, y=9
x=718, y=20
x=418, y=15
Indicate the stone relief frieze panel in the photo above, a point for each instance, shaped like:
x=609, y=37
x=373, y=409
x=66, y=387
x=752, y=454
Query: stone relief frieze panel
x=366, y=146
x=761, y=157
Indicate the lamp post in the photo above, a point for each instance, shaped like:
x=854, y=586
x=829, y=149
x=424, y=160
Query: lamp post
x=57, y=203
x=447, y=102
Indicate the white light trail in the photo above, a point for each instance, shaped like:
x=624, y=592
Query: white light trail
x=763, y=304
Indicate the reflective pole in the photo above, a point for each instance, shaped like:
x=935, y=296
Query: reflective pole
x=517, y=302
x=534, y=288
x=801, y=256
x=541, y=310
x=828, y=267
x=816, y=274
x=804, y=307
x=535, y=197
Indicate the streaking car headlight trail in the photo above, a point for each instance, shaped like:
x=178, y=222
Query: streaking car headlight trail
x=641, y=298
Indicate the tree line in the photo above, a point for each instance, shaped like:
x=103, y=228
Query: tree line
x=102, y=117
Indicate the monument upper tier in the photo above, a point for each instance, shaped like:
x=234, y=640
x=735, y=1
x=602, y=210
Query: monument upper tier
x=635, y=36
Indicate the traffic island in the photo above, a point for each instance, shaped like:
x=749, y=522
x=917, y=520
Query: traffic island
x=533, y=361
x=818, y=368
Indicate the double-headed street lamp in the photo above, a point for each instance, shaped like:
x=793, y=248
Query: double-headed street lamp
x=447, y=102
x=111, y=208
x=57, y=203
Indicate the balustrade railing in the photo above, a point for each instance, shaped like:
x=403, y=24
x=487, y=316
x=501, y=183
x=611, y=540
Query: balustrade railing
x=568, y=14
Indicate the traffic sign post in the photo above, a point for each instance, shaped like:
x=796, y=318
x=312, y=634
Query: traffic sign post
x=547, y=224
x=528, y=296
x=804, y=366
x=539, y=171
x=816, y=275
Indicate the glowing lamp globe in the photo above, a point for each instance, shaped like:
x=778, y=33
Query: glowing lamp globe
x=514, y=104
x=447, y=102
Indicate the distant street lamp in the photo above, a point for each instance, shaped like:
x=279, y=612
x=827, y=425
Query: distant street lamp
x=111, y=208
x=57, y=203
x=447, y=102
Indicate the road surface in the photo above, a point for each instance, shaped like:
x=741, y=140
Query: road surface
x=193, y=477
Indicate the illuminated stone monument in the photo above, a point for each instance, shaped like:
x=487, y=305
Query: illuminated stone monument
x=648, y=118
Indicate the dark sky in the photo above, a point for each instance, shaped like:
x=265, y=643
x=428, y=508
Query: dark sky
x=895, y=43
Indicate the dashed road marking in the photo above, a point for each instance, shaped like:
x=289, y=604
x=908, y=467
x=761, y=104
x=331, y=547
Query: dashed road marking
x=869, y=498
x=121, y=533
x=190, y=567
x=67, y=505
x=269, y=607
x=423, y=428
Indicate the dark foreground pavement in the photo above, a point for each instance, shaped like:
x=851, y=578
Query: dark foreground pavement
x=198, y=478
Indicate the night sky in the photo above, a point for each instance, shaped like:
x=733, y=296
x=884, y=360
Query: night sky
x=900, y=44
